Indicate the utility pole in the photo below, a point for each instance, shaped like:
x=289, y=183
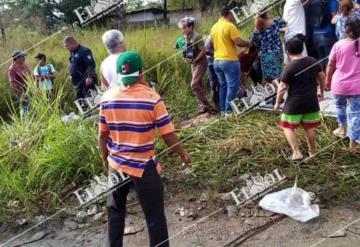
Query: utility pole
x=165, y=6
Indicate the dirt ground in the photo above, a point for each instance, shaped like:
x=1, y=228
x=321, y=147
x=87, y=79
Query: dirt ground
x=215, y=231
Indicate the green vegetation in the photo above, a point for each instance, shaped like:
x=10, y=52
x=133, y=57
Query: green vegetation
x=42, y=156
x=254, y=144
x=46, y=156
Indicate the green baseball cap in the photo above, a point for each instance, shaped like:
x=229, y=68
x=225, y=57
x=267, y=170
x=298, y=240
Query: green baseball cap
x=128, y=66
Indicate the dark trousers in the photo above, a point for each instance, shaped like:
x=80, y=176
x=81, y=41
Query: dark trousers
x=256, y=73
x=82, y=90
x=215, y=86
x=323, y=44
x=150, y=191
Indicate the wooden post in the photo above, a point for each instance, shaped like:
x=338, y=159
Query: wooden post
x=165, y=11
x=2, y=27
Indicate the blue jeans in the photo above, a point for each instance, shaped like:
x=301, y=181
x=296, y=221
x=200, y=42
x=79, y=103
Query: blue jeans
x=348, y=113
x=228, y=73
x=341, y=110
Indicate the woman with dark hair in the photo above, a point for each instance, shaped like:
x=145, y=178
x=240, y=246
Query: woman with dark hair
x=343, y=77
x=267, y=37
x=346, y=9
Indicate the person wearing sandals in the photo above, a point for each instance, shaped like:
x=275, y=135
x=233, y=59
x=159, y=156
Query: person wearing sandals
x=299, y=79
x=343, y=78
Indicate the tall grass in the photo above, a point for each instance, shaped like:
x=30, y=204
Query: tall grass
x=45, y=156
x=40, y=156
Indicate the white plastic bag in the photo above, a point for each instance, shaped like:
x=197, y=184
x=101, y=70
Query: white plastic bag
x=70, y=118
x=293, y=202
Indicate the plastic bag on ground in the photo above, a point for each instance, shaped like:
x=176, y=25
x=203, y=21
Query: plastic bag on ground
x=293, y=202
x=70, y=118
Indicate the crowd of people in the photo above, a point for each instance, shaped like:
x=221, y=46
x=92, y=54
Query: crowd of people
x=82, y=73
x=320, y=26
x=130, y=111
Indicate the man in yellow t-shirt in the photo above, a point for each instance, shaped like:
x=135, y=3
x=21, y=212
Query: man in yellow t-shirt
x=225, y=37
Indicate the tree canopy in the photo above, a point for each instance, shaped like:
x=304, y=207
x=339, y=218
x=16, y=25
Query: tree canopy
x=50, y=14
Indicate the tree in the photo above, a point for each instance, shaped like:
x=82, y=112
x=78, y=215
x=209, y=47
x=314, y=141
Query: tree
x=67, y=7
x=165, y=7
x=2, y=27
x=135, y=4
x=50, y=14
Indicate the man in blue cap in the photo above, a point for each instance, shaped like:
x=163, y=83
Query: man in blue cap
x=18, y=74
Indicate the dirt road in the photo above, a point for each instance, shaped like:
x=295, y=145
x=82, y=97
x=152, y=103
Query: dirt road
x=215, y=231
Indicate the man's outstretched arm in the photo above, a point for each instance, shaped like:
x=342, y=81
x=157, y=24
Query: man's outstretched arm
x=172, y=141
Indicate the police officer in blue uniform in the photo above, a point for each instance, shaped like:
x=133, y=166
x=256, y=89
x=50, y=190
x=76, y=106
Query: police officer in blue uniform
x=82, y=67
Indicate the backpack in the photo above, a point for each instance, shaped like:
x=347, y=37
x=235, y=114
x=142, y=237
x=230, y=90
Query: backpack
x=49, y=69
x=318, y=13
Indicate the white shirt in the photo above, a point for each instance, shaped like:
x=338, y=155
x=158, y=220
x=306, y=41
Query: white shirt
x=294, y=15
x=108, y=70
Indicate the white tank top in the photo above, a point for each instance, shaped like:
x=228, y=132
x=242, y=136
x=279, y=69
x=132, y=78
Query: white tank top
x=108, y=70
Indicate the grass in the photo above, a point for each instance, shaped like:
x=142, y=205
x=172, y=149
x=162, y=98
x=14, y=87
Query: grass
x=53, y=156
x=46, y=156
x=255, y=144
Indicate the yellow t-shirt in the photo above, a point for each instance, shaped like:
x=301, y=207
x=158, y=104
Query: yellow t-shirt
x=223, y=34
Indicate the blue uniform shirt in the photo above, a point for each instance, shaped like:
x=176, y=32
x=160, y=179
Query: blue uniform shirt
x=82, y=65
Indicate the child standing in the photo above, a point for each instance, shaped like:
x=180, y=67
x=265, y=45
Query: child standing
x=299, y=79
x=44, y=74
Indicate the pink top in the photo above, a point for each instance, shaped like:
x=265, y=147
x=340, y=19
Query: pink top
x=346, y=78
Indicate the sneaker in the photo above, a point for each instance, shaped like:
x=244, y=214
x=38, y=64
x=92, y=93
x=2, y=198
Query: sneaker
x=226, y=114
x=340, y=132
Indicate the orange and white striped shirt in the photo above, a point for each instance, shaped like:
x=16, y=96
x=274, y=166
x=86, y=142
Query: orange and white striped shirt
x=130, y=117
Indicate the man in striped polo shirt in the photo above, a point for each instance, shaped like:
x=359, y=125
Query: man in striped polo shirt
x=128, y=119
